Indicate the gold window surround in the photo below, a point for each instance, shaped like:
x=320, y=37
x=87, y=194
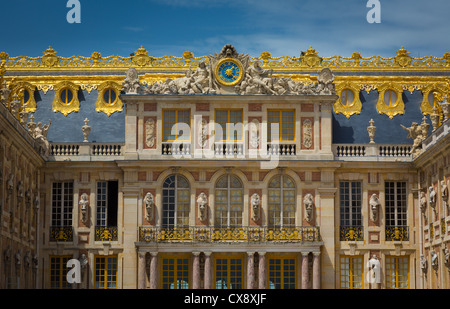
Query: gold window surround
x=397, y=272
x=19, y=88
x=349, y=108
x=287, y=276
x=438, y=90
x=105, y=272
x=66, y=107
x=58, y=270
x=391, y=109
x=109, y=108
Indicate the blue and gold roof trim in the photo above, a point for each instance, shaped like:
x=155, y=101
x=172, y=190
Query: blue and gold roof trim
x=357, y=79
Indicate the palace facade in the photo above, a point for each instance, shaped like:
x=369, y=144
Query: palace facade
x=224, y=171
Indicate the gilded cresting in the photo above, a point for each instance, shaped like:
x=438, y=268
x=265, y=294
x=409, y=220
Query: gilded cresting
x=390, y=85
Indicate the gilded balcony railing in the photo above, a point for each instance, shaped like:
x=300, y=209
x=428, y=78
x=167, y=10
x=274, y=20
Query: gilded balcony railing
x=61, y=233
x=229, y=235
x=397, y=233
x=351, y=233
x=106, y=233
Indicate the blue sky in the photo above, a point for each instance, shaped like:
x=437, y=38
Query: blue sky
x=170, y=27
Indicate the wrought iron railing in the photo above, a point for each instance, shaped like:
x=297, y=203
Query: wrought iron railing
x=397, y=233
x=351, y=233
x=61, y=233
x=229, y=235
x=106, y=233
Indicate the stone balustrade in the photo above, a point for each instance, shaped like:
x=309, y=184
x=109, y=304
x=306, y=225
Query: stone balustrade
x=85, y=151
x=372, y=152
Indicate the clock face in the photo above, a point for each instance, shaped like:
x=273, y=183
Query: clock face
x=229, y=72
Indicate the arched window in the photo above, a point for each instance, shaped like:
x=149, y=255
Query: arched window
x=229, y=201
x=176, y=202
x=281, y=202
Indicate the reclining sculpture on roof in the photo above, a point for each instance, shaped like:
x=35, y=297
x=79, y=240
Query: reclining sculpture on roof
x=256, y=80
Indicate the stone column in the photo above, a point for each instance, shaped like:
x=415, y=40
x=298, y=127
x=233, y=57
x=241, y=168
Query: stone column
x=141, y=270
x=250, y=270
x=305, y=270
x=316, y=270
x=207, y=274
x=327, y=233
x=130, y=235
x=262, y=270
x=196, y=271
x=154, y=271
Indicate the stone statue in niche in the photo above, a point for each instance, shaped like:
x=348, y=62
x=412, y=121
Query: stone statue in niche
x=84, y=206
x=256, y=203
x=20, y=191
x=374, y=270
x=149, y=206
x=150, y=135
x=131, y=84
x=434, y=260
x=307, y=133
x=423, y=263
x=423, y=202
x=202, y=202
x=374, y=207
x=83, y=261
x=309, y=205
x=444, y=193
x=432, y=197
x=446, y=257
x=10, y=185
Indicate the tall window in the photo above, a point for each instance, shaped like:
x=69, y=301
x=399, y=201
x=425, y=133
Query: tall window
x=106, y=272
x=58, y=272
x=351, y=272
x=230, y=121
x=396, y=204
x=228, y=272
x=229, y=201
x=107, y=203
x=350, y=203
x=286, y=122
x=397, y=272
x=62, y=204
x=176, y=202
x=282, y=273
x=281, y=202
x=175, y=272
x=175, y=123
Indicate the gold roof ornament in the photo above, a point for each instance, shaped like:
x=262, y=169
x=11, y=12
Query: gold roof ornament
x=50, y=59
x=403, y=59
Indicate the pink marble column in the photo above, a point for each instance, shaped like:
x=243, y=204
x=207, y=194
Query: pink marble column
x=262, y=270
x=305, y=270
x=250, y=270
x=196, y=271
x=154, y=270
x=207, y=278
x=316, y=270
x=141, y=270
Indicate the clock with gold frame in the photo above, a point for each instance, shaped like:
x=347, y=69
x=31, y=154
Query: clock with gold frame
x=229, y=71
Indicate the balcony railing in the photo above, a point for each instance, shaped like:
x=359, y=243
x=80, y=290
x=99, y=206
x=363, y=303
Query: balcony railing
x=229, y=235
x=176, y=149
x=106, y=233
x=278, y=149
x=228, y=149
x=351, y=233
x=61, y=233
x=397, y=233
x=371, y=152
x=82, y=151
